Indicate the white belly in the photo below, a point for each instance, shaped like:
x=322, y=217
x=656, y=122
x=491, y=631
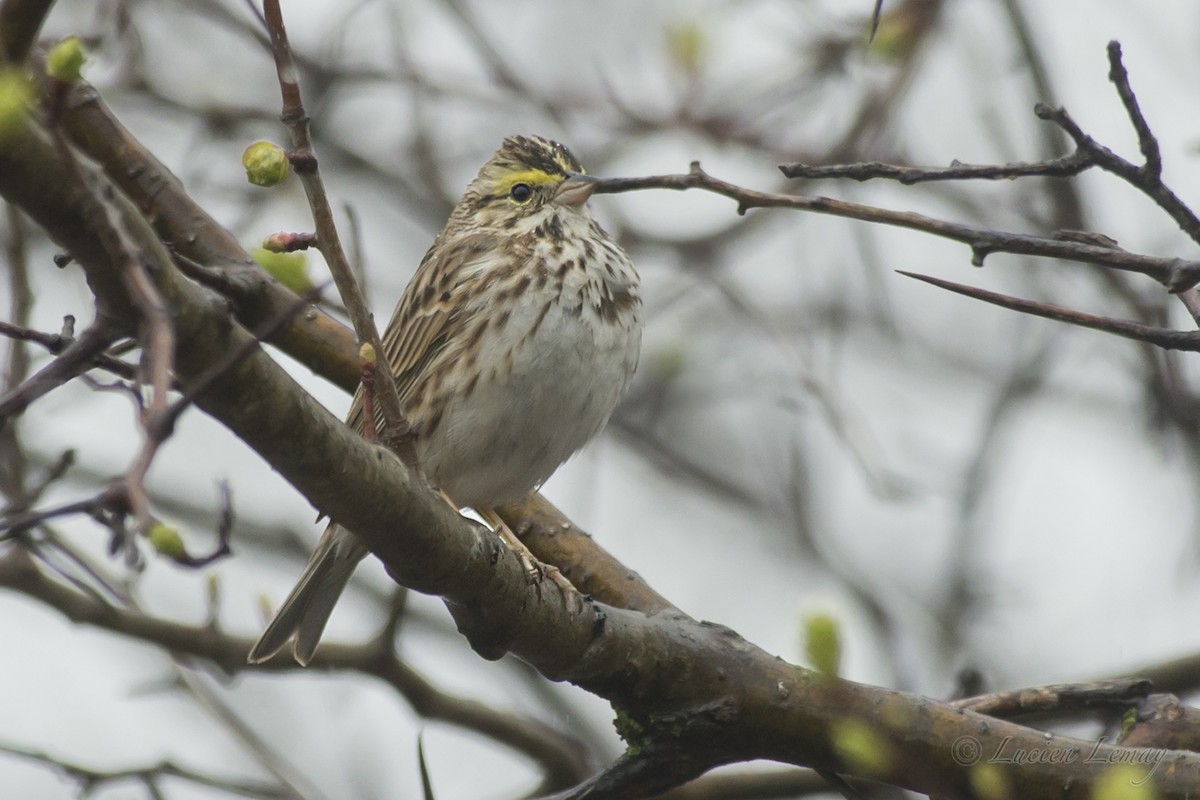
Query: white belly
x=512, y=432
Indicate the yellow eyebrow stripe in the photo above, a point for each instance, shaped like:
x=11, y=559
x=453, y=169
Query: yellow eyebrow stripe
x=534, y=177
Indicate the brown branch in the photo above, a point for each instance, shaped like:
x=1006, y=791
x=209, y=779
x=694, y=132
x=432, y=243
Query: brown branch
x=91, y=780
x=13, y=464
x=554, y=539
x=1146, y=178
x=557, y=753
x=16, y=524
x=76, y=356
x=1161, y=337
x=156, y=331
x=395, y=430
x=1067, y=698
x=1176, y=274
x=1089, y=153
x=1162, y=721
x=21, y=300
x=20, y=22
x=313, y=338
x=1178, y=675
x=1064, y=167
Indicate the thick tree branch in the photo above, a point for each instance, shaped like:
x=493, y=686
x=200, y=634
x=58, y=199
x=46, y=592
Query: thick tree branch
x=312, y=338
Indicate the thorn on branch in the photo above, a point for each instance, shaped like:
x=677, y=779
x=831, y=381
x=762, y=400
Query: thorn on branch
x=1160, y=337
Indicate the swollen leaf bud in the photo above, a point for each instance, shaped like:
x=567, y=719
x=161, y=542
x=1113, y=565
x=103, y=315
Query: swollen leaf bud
x=16, y=93
x=266, y=164
x=687, y=45
x=65, y=60
x=167, y=541
x=823, y=643
x=290, y=269
x=1127, y=781
x=861, y=748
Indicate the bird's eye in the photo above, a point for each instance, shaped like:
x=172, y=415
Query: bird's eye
x=520, y=192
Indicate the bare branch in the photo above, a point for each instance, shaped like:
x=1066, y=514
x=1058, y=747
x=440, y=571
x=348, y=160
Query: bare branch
x=313, y=339
x=1161, y=337
x=92, y=780
x=304, y=160
x=1064, y=167
x=1176, y=274
x=1113, y=695
x=76, y=356
x=556, y=752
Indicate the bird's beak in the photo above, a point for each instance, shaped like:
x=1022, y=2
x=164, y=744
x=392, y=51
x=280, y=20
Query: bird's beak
x=576, y=189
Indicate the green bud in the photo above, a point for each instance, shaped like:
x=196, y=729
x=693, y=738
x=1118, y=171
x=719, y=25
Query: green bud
x=167, y=541
x=266, y=164
x=687, y=46
x=861, y=748
x=290, y=269
x=823, y=644
x=16, y=93
x=896, y=35
x=65, y=60
x=988, y=782
x=1128, y=720
x=1126, y=782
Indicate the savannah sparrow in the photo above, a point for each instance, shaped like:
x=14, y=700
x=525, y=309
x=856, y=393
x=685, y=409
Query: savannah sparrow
x=511, y=346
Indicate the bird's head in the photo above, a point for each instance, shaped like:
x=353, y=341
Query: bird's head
x=527, y=177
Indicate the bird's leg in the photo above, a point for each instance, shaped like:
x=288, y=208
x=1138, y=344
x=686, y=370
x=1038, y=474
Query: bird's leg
x=534, y=569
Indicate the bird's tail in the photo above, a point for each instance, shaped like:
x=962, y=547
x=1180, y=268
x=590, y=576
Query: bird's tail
x=306, y=610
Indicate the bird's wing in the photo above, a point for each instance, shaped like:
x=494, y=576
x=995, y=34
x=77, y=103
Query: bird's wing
x=430, y=314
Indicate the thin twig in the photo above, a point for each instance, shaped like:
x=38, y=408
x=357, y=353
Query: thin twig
x=156, y=333
x=1064, y=167
x=1176, y=274
x=1059, y=698
x=304, y=160
x=12, y=455
x=1146, y=139
x=76, y=356
x=91, y=780
x=1162, y=337
x=563, y=760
